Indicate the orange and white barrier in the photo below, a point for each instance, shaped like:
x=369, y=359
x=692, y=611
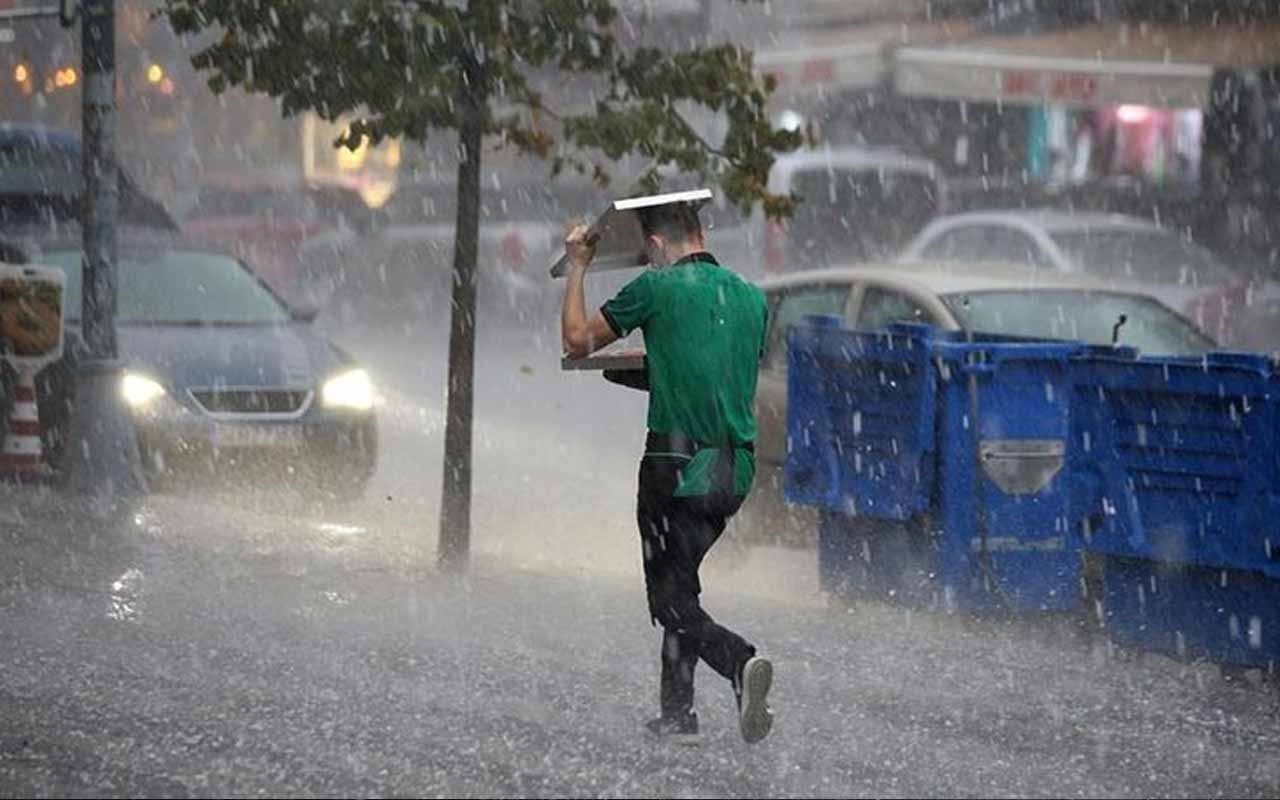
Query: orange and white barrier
x=31, y=338
x=23, y=452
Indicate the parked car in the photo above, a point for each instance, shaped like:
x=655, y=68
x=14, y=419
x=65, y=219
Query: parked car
x=298, y=236
x=1179, y=272
x=40, y=181
x=41, y=189
x=989, y=298
x=223, y=378
x=857, y=204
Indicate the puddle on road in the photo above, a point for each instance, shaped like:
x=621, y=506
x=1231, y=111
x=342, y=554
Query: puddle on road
x=148, y=521
x=124, y=599
x=339, y=599
x=337, y=537
x=337, y=532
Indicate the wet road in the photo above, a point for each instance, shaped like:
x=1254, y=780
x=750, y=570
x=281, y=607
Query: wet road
x=249, y=644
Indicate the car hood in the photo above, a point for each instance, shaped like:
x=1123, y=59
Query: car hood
x=232, y=356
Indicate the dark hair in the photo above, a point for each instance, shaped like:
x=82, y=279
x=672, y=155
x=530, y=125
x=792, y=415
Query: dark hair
x=678, y=221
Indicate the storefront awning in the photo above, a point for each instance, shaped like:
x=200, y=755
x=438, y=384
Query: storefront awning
x=840, y=61
x=1096, y=65
x=851, y=66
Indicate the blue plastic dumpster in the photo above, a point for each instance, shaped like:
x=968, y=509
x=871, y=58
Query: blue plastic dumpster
x=1227, y=616
x=937, y=462
x=861, y=441
x=860, y=419
x=1004, y=500
x=973, y=473
x=1176, y=475
x=1177, y=458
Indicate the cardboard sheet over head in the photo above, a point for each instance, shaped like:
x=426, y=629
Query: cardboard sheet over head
x=620, y=239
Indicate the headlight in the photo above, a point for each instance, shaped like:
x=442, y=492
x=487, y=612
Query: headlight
x=351, y=389
x=140, y=391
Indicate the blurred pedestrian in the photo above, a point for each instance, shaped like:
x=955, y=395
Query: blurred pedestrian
x=704, y=330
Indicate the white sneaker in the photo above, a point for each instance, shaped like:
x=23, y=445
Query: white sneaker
x=754, y=716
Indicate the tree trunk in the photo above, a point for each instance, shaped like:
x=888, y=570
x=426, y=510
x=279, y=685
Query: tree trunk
x=455, y=507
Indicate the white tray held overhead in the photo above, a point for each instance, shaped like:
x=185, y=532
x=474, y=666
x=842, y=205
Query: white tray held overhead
x=621, y=242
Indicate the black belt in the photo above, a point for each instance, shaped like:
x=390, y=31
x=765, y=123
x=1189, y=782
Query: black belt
x=683, y=445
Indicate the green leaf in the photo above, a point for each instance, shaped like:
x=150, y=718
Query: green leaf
x=408, y=69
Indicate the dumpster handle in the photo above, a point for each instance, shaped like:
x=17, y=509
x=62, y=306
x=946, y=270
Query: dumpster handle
x=973, y=368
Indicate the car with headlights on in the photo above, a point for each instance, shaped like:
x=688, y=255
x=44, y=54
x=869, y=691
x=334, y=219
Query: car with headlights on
x=223, y=378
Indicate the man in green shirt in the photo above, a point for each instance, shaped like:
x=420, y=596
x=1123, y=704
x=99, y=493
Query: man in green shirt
x=704, y=330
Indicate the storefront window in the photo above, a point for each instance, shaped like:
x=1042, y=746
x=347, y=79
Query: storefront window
x=1124, y=144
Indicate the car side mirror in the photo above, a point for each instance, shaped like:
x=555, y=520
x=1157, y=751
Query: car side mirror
x=305, y=313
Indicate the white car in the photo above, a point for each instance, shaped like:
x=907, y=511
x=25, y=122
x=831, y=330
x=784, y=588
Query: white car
x=1111, y=246
x=858, y=204
x=989, y=298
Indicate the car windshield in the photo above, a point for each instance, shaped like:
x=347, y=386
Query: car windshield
x=1151, y=256
x=1081, y=315
x=177, y=287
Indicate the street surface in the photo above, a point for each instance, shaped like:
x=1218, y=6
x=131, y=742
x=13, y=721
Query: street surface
x=244, y=643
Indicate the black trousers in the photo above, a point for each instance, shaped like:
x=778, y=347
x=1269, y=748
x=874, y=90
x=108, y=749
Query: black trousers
x=675, y=535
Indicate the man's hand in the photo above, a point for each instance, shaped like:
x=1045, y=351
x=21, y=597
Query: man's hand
x=579, y=247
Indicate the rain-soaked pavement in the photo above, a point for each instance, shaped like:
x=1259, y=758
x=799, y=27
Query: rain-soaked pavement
x=248, y=644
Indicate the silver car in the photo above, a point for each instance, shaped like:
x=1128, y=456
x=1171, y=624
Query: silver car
x=1116, y=247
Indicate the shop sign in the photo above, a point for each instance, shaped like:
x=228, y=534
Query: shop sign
x=1061, y=87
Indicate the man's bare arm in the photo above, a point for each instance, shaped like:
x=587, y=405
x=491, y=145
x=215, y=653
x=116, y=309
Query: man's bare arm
x=581, y=335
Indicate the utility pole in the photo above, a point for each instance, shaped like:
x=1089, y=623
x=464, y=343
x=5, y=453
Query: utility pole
x=102, y=462
x=101, y=178
x=102, y=454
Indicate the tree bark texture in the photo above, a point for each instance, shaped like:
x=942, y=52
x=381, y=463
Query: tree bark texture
x=454, y=547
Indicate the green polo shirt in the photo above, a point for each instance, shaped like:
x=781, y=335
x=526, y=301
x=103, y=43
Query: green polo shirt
x=704, y=329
